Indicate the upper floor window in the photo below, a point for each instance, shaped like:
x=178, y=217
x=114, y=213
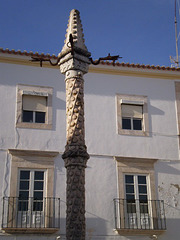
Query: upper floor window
x=34, y=107
x=132, y=115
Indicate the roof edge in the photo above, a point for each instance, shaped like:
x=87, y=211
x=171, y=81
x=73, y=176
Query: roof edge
x=105, y=63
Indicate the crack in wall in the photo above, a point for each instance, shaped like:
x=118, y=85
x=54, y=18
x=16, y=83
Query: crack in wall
x=17, y=138
x=7, y=170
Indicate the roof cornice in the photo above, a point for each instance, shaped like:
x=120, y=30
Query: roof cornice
x=105, y=67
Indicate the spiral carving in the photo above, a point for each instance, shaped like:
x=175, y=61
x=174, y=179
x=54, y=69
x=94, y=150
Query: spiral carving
x=75, y=111
x=75, y=216
x=75, y=157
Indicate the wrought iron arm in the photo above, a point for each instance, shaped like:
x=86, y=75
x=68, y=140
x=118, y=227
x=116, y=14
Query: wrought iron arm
x=109, y=57
x=41, y=59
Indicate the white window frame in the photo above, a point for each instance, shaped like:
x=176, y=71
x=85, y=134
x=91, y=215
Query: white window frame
x=30, y=216
x=137, y=100
x=136, y=217
x=34, y=91
x=31, y=181
x=135, y=166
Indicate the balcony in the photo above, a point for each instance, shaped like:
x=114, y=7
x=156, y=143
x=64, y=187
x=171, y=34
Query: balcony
x=31, y=215
x=137, y=217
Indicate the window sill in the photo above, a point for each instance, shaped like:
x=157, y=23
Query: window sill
x=34, y=125
x=133, y=132
x=30, y=230
x=144, y=232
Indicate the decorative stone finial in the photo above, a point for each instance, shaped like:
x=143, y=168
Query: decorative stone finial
x=75, y=28
x=74, y=54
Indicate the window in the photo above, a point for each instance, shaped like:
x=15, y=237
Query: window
x=137, y=211
x=31, y=190
x=34, y=107
x=137, y=201
x=30, y=206
x=132, y=117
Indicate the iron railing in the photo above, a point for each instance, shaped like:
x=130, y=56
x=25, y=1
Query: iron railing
x=30, y=212
x=139, y=214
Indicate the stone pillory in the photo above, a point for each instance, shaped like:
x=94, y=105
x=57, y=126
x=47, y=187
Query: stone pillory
x=74, y=63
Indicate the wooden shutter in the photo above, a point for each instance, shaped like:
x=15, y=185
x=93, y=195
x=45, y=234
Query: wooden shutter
x=34, y=103
x=134, y=111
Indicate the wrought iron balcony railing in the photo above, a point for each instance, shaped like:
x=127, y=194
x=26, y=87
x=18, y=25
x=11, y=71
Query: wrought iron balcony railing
x=30, y=213
x=139, y=214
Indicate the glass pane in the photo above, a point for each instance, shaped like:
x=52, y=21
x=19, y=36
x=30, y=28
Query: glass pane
x=37, y=206
x=143, y=198
x=143, y=208
x=23, y=194
x=141, y=179
x=24, y=174
x=137, y=124
x=23, y=206
x=129, y=179
x=24, y=185
x=39, y=175
x=142, y=189
x=126, y=123
x=40, y=117
x=129, y=188
x=38, y=185
x=38, y=195
x=27, y=116
x=130, y=197
x=131, y=208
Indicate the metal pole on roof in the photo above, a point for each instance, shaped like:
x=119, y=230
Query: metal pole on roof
x=176, y=37
x=175, y=60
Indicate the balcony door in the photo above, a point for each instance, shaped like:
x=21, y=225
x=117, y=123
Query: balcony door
x=31, y=193
x=137, y=204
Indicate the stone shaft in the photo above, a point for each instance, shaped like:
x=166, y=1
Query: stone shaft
x=75, y=157
x=75, y=216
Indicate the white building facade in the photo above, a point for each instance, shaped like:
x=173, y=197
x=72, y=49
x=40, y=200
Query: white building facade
x=132, y=135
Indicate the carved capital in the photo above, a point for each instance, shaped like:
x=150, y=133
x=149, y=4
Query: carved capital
x=72, y=63
x=73, y=151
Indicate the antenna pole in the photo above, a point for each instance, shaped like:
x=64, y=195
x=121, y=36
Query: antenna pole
x=177, y=55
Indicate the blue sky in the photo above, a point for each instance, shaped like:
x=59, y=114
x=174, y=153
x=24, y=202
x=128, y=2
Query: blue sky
x=141, y=31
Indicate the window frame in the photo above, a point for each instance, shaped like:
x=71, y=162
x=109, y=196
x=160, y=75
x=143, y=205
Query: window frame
x=29, y=159
x=136, y=166
x=34, y=91
x=137, y=100
x=32, y=180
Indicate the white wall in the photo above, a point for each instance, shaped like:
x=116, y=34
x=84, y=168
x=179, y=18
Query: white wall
x=102, y=141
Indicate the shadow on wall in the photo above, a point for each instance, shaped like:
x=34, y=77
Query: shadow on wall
x=173, y=230
x=170, y=168
x=92, y=224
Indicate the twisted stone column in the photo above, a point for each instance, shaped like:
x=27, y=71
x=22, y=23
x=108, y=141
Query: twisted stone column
x=75, y=158
x=74, y=62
